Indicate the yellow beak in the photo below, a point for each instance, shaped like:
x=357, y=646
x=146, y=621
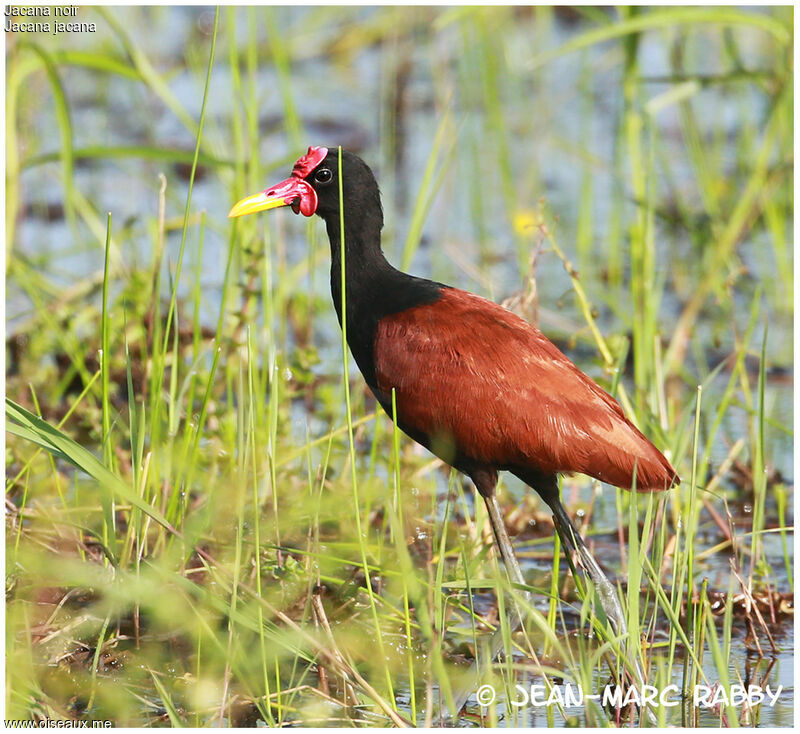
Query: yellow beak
x=293, y=191
x=256, y=203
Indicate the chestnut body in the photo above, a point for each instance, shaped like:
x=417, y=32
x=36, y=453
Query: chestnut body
x=476, y=379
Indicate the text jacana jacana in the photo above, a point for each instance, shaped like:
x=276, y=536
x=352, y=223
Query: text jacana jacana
x=480, y=387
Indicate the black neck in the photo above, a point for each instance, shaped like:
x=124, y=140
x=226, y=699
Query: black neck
x=374, y=288
x=365, y=267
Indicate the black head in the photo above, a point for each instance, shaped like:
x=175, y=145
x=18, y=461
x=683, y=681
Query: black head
x=360, y=189
x=313, y=188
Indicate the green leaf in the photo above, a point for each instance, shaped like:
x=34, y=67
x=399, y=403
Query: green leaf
x=35, y=429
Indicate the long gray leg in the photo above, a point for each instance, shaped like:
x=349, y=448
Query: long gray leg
x=502, y=540
x=572, y=540
x=512, y=567
x=486, y=481
x=606, y=592
x=547, y=488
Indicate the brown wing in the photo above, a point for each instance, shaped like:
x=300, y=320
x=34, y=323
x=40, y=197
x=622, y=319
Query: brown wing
x=468, y=369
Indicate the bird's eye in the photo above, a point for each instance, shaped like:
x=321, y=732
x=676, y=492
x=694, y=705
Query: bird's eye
x=323, y=175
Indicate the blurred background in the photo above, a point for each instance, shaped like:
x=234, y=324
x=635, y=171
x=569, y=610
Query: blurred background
x=625, y=169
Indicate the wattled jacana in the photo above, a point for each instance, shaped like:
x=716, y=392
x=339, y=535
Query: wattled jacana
x=477, y=385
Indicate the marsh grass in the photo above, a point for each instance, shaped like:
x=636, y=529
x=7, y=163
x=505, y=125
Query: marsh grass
x=209, y=520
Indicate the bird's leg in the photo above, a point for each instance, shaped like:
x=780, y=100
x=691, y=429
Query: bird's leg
x=606, y=592
x=485, y=481
x=504, y=547
x=512, y=568
x=572, y=540
x=502, y=540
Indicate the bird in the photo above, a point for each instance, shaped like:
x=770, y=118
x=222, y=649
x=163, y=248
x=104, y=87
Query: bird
x=480, y=387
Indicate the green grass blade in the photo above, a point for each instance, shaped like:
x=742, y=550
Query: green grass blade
x=61, y=445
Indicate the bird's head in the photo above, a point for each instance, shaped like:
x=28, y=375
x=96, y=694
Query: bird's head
x=313, y=188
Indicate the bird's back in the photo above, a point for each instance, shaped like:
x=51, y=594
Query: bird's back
x=472, y=376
